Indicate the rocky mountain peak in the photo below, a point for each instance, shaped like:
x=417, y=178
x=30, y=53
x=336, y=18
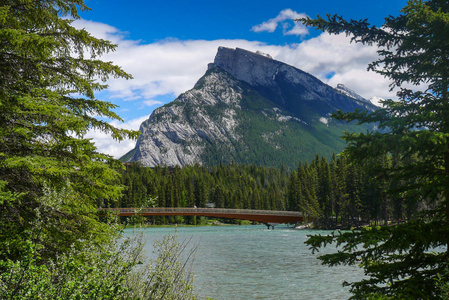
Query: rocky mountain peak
x=253, y=68
x=247, y=108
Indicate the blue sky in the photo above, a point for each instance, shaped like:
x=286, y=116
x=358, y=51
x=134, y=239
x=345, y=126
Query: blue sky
x=151, y=21
x=167, y=44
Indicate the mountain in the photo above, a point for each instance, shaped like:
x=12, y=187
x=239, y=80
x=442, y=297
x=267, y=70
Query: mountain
x=342, y=89
x=248, y=108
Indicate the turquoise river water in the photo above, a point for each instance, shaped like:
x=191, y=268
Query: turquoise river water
x=252, y=262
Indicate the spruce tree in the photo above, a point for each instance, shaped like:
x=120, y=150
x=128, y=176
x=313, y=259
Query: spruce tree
x=403, y=261
x=324, y=191
x=293, y=191
x=49, y=73
x=337, y=183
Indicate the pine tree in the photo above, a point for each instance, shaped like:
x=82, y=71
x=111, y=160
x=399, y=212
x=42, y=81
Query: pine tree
x=294, y=191
x=413, y=50
x=337, y=183
x=324, y=191
x=47, y=101
x=219, y=196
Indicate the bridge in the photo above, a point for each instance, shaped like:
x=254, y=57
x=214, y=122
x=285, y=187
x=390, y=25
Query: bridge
x=261, y=216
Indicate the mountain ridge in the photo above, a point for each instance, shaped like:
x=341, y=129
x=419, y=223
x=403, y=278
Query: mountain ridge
x=247, y=108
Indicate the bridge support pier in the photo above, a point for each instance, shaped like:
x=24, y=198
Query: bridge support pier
x=269, y=225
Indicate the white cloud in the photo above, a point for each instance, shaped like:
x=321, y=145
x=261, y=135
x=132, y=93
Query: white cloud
x=101, y=30
x=106, y=144
x=166, y=67
x=334, y=54
x=171, y=67
x=152, y=102
x=285, y=15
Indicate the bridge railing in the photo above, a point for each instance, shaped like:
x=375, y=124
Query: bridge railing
x=204, y=210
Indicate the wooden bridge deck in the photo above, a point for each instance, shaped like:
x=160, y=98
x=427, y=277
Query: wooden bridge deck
x=261, y=216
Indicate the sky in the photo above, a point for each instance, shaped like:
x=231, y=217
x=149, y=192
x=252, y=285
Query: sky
x=166, y=46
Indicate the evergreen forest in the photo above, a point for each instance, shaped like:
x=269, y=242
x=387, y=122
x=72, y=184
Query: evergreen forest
x=331, y=194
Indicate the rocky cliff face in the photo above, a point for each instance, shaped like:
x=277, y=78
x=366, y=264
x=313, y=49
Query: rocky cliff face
x=247, y=108
x=289, y=87
x=178, y=133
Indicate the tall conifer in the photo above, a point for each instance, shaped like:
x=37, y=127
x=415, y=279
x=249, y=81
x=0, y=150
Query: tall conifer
x=49, y=73
x=413, y=50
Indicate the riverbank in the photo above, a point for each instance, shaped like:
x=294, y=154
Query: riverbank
x=207, y=222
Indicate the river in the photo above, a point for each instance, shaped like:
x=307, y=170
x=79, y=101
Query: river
x=252, y=262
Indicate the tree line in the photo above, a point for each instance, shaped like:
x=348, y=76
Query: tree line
x=331, y=193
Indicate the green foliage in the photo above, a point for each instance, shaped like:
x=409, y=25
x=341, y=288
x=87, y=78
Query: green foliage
x=265, y=140
x=52, y=178
x=405, y=269
x=228, y=186
x=113, y=271
x=49, y=74
x=90, y=274
x=105, y=266
x=414, y=137
x=166, y=277
x=443, y=285
x=335, y=194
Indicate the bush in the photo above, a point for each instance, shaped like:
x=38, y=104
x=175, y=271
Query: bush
x=114, y=271
x=110, y=268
